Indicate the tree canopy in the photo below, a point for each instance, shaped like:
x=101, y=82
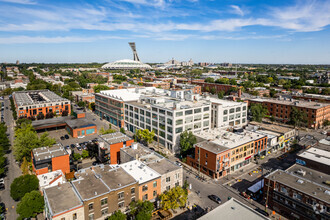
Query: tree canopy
x=32, y=203
x=258, y=112
x=142, y=210
x=117, y=215
x=174, y=198
x=98, y=88
x=145, y=135
x=187, y=141
x=22, y=185
x=26, y=139
x=297, y=117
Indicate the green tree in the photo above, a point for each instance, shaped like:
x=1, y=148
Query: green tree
x=76, y=156
x=297, y=117
x=22, y=185
x=212, y=90
x=258, y=112
x=187, y=142
x=209, y=80
x=109, y=131
x=222, y=81
x=26, y=139
x=81, y=104
x=272, y=92
x=174, y=198
x=117, y=215
x=326, y=123
x=25, y=166
x=98, y=88
x=84, y=154
x=145, y=135
x=232, y=82
x=122, y=130
x=142, y=210
x=221, y=94
x=32, y=203
x=92, y=106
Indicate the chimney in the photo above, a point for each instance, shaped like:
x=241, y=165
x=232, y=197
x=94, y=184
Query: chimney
x=136, y=156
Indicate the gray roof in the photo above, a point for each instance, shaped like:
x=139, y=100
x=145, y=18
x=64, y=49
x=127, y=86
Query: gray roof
x=163, y=166
x=43, y=153
x=114, y=138
x=36, y=97
x=61, y=198
x=233, y=209
x=115, y=178
x=305, y=180
x=292, y=102
x=89, y=185
x=212, y=147
x=79, y=123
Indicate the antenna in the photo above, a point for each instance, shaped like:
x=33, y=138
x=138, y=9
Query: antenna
x=135, y=56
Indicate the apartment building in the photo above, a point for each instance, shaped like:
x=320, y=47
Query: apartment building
x=281, y=109
x=149, y=181
x=158, y=84
x=298, y=193
x=48, y=159
x=62, y=203
x=82, y=96
x=110, y=147
x=32, y=103
x=226, y=113
x=168, y=113
x=221, y=152
x=109, y=104
x=312, y=97
x=104, y=190
x=171, y=173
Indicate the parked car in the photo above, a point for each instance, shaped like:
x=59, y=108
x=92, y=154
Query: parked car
x=215, y=198
x=66, y=136
x=62, y=138
x=67, y=147
x=77, y=145
x=178, y=163
x=79, y=148
x=72, y=146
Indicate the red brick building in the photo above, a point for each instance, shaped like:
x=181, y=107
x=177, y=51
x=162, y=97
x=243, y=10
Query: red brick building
x=281, y=109
x=48, y=159
x=110, y=145
x=80, y=127
x=40, y=102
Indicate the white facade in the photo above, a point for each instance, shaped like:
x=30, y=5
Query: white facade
x=228, y=113
x=168, y=116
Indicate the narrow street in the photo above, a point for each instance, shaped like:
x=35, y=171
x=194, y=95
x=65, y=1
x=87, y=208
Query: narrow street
x=13, y=169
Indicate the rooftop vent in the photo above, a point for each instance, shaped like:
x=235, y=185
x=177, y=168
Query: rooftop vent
x=300, y=181
x=301, y=172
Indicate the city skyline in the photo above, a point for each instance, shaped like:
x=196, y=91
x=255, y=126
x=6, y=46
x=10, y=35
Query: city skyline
x=291, y=32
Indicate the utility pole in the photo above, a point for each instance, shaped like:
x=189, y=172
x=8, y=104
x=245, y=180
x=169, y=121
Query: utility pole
x=267, y=195
x=199, y=161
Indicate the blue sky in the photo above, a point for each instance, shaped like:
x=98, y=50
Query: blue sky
x=241, y=31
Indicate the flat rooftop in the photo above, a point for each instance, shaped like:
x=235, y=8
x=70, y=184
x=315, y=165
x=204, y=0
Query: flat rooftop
x=50, y=122
x=62, y=198
x=233, y=209
x=163, y=166
x=125, y=95
x=89, y=184
x=227, y=103
x=79, y=123
x=43, y=153
x=293, y=102
x=36, y=97
x=310, y=183
x=271, y=127
x=225, y=139
x=139, y=171
x=317, y=155
x=114, y=178
x=139, y=150
x=114, y=138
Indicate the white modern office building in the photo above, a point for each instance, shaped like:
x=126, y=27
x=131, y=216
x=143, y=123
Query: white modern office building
x=227, y=113
x=168, y=113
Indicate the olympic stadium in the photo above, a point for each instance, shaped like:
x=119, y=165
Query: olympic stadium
x=127, y=63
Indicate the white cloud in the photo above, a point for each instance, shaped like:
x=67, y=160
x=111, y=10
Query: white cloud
x=237, y=10
x=44, y=40
x=25, y=2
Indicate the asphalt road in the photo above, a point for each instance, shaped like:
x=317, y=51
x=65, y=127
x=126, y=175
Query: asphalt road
x=13, y=169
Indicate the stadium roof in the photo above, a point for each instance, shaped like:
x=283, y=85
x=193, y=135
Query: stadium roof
x=126, y=64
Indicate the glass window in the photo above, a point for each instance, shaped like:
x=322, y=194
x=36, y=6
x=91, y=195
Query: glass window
x=154, y=116
x=104, y=201
x=168, y=179
x=225, y=112
x=198, y=117
x=154, y=109
x=188, y=119
x=238, y=109
x=161, y=111
x=189, y=127
x=91, y=217
x=169, y=137
x=144, y=188
x=121, y=205
x=169, y=129
x=244, y=107
x=91, y=206
x=132, y=190
x=206, y=108
x=155, y=184
x=178, y=114
x=206, y=115
x=225, y=118
x=178, y=130
x=206, y=123
x=154, y=193
x=232, y=110
x=188, y=112
x=104, y=212
x=197, y=110
x=120, y=195
x=169, y=121
x=141, y=111
x=179, y=122
x=169, y=114
x=147, y=114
